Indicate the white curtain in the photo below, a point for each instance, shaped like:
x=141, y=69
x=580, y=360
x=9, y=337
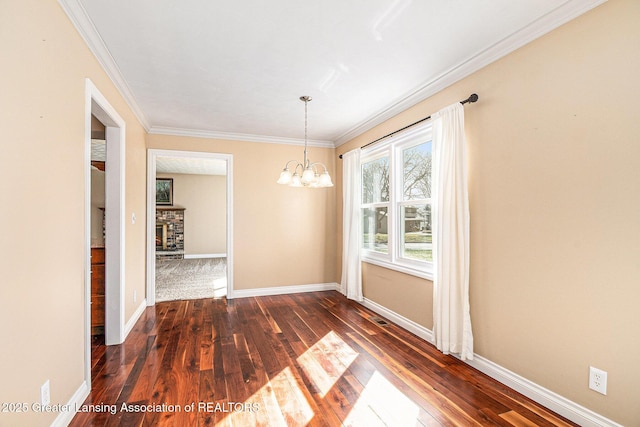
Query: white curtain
x=451, y=318
x=351, y=281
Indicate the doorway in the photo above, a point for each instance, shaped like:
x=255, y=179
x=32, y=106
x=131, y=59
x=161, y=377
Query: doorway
x=98, y=250
x=182, y=237
x=97, y=106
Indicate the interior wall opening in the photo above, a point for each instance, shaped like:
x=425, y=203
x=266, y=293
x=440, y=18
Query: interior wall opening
x=189, y=243
x=98, y=231
x=104, y=223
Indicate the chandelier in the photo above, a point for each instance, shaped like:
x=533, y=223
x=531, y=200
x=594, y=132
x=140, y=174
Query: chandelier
x=308, y=176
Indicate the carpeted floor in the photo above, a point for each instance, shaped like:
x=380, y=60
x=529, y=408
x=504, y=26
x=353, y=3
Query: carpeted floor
x=181, y=279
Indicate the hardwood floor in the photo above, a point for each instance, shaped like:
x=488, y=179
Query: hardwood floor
x=291, y=360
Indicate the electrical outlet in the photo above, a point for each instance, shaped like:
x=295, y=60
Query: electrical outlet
x=598, y=380
x=45, y=394
x=135, y=295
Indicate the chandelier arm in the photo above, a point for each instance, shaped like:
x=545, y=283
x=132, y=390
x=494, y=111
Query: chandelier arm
x=318, y=163
x=286, y=166
x=298, y=164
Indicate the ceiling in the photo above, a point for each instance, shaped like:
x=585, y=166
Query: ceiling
x=191, y=165
x=235, y=69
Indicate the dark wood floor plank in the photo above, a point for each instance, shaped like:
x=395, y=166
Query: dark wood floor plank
x=433, y=401
x=165, y=389
x=399, y=346
x=302, y=359
x=299, y=383
x=454, y=388
x=341, y=405
x=142, y=390
x=187, y=364
x=366, y=365
x=260, y=389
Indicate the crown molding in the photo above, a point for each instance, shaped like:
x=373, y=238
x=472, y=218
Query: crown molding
x=158, y=130
x=564, y=13
x=80, y=20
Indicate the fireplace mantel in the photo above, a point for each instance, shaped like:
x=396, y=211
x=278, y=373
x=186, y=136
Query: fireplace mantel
x=169, y=208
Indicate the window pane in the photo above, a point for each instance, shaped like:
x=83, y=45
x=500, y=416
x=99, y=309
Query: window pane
x=375, y=229
x=416, y=241
x=375, y=181
x=417, y=172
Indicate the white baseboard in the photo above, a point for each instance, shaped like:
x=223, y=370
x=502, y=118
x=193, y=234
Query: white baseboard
x=196, y=256
x=547, y=398
x=399, y=320
x=64, y=418
x=282, y=290
x=134, y=318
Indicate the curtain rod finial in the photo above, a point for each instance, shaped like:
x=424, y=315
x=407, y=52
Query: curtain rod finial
x=473, y=97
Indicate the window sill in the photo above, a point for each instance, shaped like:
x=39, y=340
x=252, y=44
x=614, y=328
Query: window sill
x=424, y=274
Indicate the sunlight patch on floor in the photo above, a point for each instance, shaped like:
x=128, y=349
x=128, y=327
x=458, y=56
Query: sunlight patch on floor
x=381, y=403
x=326, y=361
x=220, y=287
x=280, y=402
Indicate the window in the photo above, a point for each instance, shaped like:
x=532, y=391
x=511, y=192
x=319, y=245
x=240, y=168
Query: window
x=396, y=203
x=375, y=204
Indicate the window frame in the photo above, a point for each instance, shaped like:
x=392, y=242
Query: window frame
x=373, y=156
x=393, y=148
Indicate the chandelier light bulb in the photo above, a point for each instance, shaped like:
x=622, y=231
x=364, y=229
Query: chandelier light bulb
x=308, y=176
x=325, y=180
x=285, y=177
x=296, y=181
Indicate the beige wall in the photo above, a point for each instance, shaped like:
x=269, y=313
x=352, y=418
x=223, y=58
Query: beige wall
x=205, y=199
x=391, y=289
x=281, y=235
x=555, y=209
x=43, y=186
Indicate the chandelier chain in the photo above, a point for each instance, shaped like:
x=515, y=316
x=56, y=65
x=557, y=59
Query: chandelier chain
x=306, y=100
x=305, y=122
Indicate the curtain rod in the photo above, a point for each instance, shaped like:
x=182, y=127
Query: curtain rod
x=472, y=98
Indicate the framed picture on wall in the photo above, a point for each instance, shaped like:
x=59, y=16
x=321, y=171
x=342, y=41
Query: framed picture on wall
x=164, y=191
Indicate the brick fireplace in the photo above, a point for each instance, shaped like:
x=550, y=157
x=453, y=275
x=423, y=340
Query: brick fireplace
x=169, y=233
